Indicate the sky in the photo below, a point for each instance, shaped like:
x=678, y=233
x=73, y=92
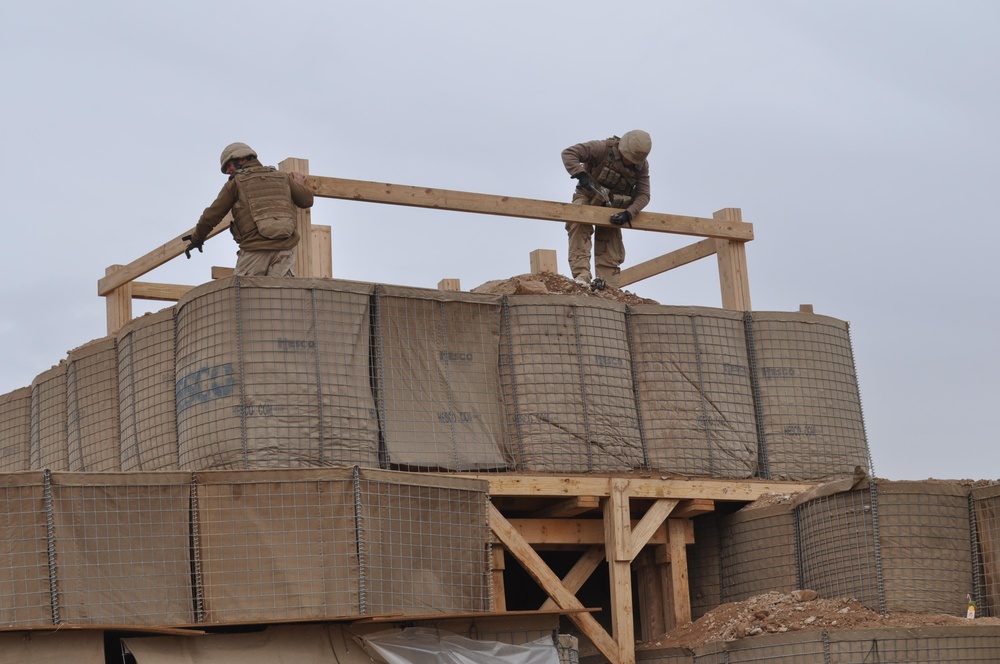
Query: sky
x=859, y=137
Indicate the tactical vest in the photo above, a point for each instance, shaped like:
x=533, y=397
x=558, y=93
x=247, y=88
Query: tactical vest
x=619, y=179
x=265, y=204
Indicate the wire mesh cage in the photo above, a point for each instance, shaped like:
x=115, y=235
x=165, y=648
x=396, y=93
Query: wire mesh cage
x=92, y=408
x=986, y=503
x=693, y=390
x=49, y=434
x=758, y=552
x=25, y=591
x=147, y=410
x=15, y=423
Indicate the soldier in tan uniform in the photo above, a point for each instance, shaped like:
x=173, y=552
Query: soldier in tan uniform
x=612, y=173
x=263, y=201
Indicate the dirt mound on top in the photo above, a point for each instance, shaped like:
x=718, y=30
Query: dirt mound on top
x=547, y=283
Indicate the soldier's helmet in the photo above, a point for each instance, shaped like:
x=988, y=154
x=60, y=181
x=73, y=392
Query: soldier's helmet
x=635, y=145
x=235, y=151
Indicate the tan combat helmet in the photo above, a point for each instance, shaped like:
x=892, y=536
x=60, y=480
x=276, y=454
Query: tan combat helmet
x=635, y=145
x=236, y=151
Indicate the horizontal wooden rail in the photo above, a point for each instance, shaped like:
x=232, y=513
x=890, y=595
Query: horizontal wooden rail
x=507, y=206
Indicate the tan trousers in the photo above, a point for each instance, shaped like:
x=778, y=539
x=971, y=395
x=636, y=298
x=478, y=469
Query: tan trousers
x=609, y=249
x=265, y=263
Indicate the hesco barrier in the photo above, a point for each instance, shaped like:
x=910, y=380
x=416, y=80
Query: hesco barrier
x=912, y=547
x=694, y=391
x=92, y=408
x=15, y=423
x=147, y=410
x=257, y=372
x=221, y=547
x=275, y=373
x=917, y=645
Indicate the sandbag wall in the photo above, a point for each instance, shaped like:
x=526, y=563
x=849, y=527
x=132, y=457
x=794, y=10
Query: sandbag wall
x=894, y=546
x=250, y=373
x=121, y=548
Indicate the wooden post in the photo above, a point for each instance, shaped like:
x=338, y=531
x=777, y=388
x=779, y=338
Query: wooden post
x=677, y=529
x=618, y=544
x=543, y=260
x=450, y=284
x=499, y=589
x=732, y=254
x=118, y=303
x=322, y=251
x=303, y=251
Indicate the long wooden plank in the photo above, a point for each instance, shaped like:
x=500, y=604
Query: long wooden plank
x=667, y=262
x=569, y=507
x=146, y=290
x=550, y=583
x=508, y=206
x=584, y=485
x=573, y=531
x=153, y=259
x=579, y=573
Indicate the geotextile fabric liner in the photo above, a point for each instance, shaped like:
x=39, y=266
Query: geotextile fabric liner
x=693, y=389
x=438, y=387
x=122, y=548
x=986, y=502
x=25, y=590
x=15, y=423
x=273, y=372
x=52, y=648
x=49, y=435
x=147, y=412
x=705, y=565
x=758, y=552
x=567, y=374
x=810, y=418
x=92, y=407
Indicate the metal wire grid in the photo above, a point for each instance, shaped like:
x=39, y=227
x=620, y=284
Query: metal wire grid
x=25, y=598
x=147, y=410
x=929, y=645
x=49, y=435
x=758, y=552
x=427, y=546
x=693, y=391
x=566, y=372
x=794, y=648
x=986, y=507
x=121, y=548
x=92, y=408
x=810, y=409
x=705, y=565
x=837, y=540
x=275, y=375
x=15, y=423
x=925, y=537
x=438, y=386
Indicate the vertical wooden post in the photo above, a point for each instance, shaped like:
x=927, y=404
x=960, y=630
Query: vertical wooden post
x=303, y=252
x=499, y=589
x=322, y=252
x=651, y=596
x=450, y=284
x=543, y=260
x=617, y=543
x=733, y=277
x=119, y=303
x=677, y=532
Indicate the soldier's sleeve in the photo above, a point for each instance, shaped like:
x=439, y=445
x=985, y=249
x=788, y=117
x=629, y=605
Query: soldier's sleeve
x=216, y=212
x=576, y=157
x=302, y=195
x=642, y=192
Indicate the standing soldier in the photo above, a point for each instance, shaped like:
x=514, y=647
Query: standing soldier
x=613, y=173
x=263, y=201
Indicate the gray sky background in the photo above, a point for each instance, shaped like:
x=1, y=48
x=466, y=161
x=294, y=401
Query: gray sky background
x=861, y=139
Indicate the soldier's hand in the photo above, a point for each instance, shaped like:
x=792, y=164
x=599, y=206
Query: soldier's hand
x=622, y=218
x=583, y=177
x=192, y=244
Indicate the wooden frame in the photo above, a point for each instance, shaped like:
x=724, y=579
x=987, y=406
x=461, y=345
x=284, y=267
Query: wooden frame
x=726, y=236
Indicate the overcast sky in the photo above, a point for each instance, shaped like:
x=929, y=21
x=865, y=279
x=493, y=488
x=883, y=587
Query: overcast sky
x=860, y=138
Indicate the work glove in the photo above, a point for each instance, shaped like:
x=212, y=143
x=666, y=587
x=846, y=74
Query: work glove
x=622, y=218
x=584, y=179
x=192, y=244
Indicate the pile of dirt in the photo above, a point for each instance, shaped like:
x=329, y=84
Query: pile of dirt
x=546, y=283
x=776, y=613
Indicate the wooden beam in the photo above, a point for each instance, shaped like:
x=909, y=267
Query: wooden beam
x=585, y=485
x=550, y=583
x=322, y=248
x=507, y=206
x=650, y=523
x=145, y=290
x=579, y=532
x=617, y=549
x=499, y=589
x=687, y=509
x=569, y=507
x=219, y=272
x=153, y=259
x=118, y=302
x=666, y=262
x=579, y=574
x=733, y=277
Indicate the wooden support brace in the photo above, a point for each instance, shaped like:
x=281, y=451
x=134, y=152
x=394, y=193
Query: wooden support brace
x=580, y=572
x=666, y=262
x=618, y=550
x=499, y=590
x=550, y=583
x=733, y=278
